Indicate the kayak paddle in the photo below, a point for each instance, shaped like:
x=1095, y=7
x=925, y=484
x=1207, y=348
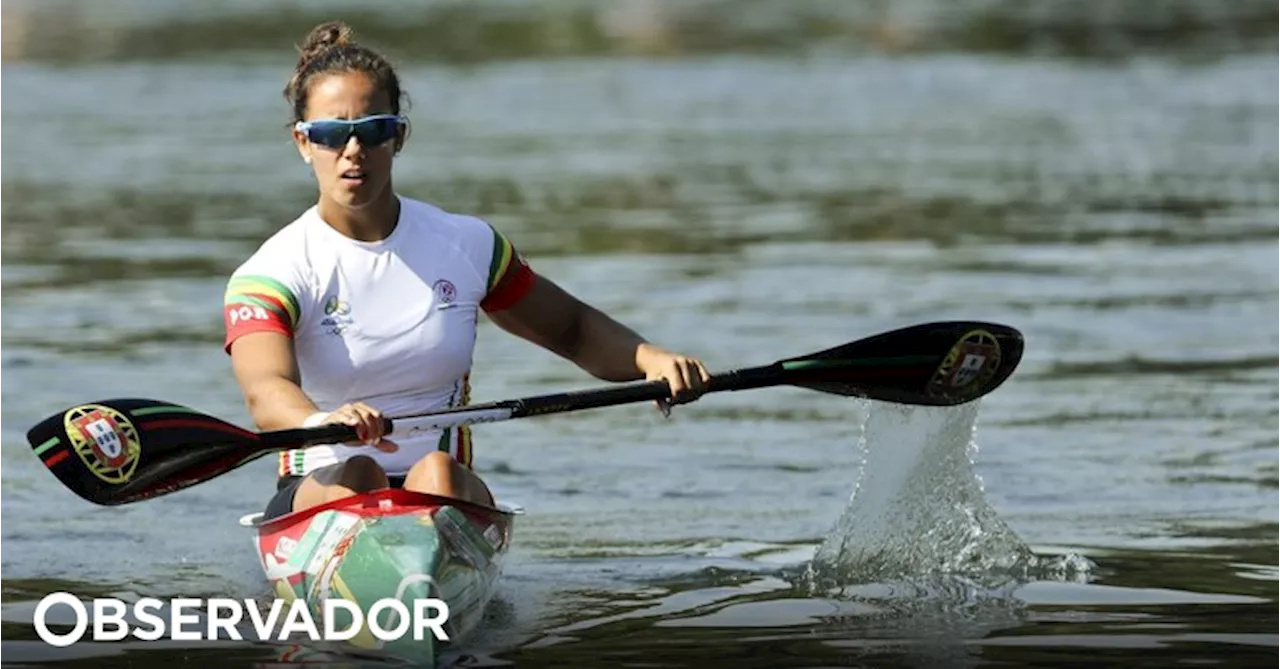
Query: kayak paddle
x=124, y=450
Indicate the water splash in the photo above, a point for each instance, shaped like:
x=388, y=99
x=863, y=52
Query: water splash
x=918, y=511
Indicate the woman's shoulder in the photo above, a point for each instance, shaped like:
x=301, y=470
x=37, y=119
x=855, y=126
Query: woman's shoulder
x=468, y=232
x=435, y=218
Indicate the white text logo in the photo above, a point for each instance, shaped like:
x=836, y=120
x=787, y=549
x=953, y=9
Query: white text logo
x=386, y=620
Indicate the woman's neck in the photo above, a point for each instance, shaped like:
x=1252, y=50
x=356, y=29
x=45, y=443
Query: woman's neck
x=373, y=223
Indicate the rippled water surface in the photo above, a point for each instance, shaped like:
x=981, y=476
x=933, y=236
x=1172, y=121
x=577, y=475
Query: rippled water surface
x=1104, y=180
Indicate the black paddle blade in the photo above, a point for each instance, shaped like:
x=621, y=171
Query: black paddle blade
x=124, y=450
x=933, y=364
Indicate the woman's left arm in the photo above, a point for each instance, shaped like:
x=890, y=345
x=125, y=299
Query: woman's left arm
x=561, y=323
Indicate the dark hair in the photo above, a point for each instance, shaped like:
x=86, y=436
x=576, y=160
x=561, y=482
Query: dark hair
x=330, y=48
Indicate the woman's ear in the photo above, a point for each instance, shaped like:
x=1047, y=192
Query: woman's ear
x=303, y=146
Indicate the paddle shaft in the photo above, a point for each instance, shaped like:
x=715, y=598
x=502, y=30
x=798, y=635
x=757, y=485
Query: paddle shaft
x=538, y=405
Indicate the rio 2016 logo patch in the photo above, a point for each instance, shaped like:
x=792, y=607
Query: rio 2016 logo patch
x=972, y=361
x=445, y=292
x=105, y=440
x=337, y=316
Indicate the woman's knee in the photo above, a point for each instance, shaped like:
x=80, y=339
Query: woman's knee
x=439, y=460
x=438, y=473
x=357, y=475
x=362, y=473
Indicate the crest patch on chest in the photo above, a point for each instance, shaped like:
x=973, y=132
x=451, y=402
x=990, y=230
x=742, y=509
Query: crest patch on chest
x=445, y=292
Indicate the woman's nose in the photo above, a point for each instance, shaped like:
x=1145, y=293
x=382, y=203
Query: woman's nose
x=353, y=147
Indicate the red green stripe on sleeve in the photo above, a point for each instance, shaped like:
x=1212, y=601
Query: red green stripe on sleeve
x=255, y=303
x=504, y=253
x=263, y=291
x=510, y=277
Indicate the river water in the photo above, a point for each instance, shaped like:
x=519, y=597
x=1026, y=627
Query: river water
x=744, y=190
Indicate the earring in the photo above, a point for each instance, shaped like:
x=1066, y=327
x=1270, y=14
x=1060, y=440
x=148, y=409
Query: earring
x=307, y=160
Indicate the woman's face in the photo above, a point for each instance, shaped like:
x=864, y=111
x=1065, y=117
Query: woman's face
x=353, y=175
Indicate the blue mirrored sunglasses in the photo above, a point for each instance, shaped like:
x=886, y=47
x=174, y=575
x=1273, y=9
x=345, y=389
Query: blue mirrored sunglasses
x=334, y=133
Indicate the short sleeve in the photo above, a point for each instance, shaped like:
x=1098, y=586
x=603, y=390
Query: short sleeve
x=257, y=301
x=510, y=277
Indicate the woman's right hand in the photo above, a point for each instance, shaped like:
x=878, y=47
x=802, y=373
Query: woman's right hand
x=368, y=422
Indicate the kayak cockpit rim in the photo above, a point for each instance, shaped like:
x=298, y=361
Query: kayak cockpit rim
x=386, y=498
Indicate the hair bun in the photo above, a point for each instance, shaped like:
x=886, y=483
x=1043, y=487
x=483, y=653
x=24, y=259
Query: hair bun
x=328, y=35
x=331, y=48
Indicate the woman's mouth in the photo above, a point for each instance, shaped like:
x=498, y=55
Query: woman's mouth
x=354, y=177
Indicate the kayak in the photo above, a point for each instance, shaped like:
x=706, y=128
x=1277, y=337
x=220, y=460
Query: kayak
x=388, y=544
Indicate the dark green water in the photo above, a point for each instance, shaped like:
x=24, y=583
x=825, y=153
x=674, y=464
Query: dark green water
x=744, y=182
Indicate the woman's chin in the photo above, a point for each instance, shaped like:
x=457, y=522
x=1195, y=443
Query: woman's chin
x=355, y=196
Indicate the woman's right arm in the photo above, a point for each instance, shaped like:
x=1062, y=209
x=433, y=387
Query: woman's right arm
x=267, y=371
x=261, y=310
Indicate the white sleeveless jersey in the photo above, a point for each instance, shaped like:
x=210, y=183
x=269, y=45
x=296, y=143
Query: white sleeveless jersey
x=389, y=323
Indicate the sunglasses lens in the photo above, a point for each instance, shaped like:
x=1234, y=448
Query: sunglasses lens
x=370, y=132
x=376, y=132
x=332, y=134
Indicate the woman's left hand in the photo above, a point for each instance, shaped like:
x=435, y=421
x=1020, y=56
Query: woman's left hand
x=687, y=377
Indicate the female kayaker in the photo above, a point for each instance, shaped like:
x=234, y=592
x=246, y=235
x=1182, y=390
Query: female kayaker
x=366, y=305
